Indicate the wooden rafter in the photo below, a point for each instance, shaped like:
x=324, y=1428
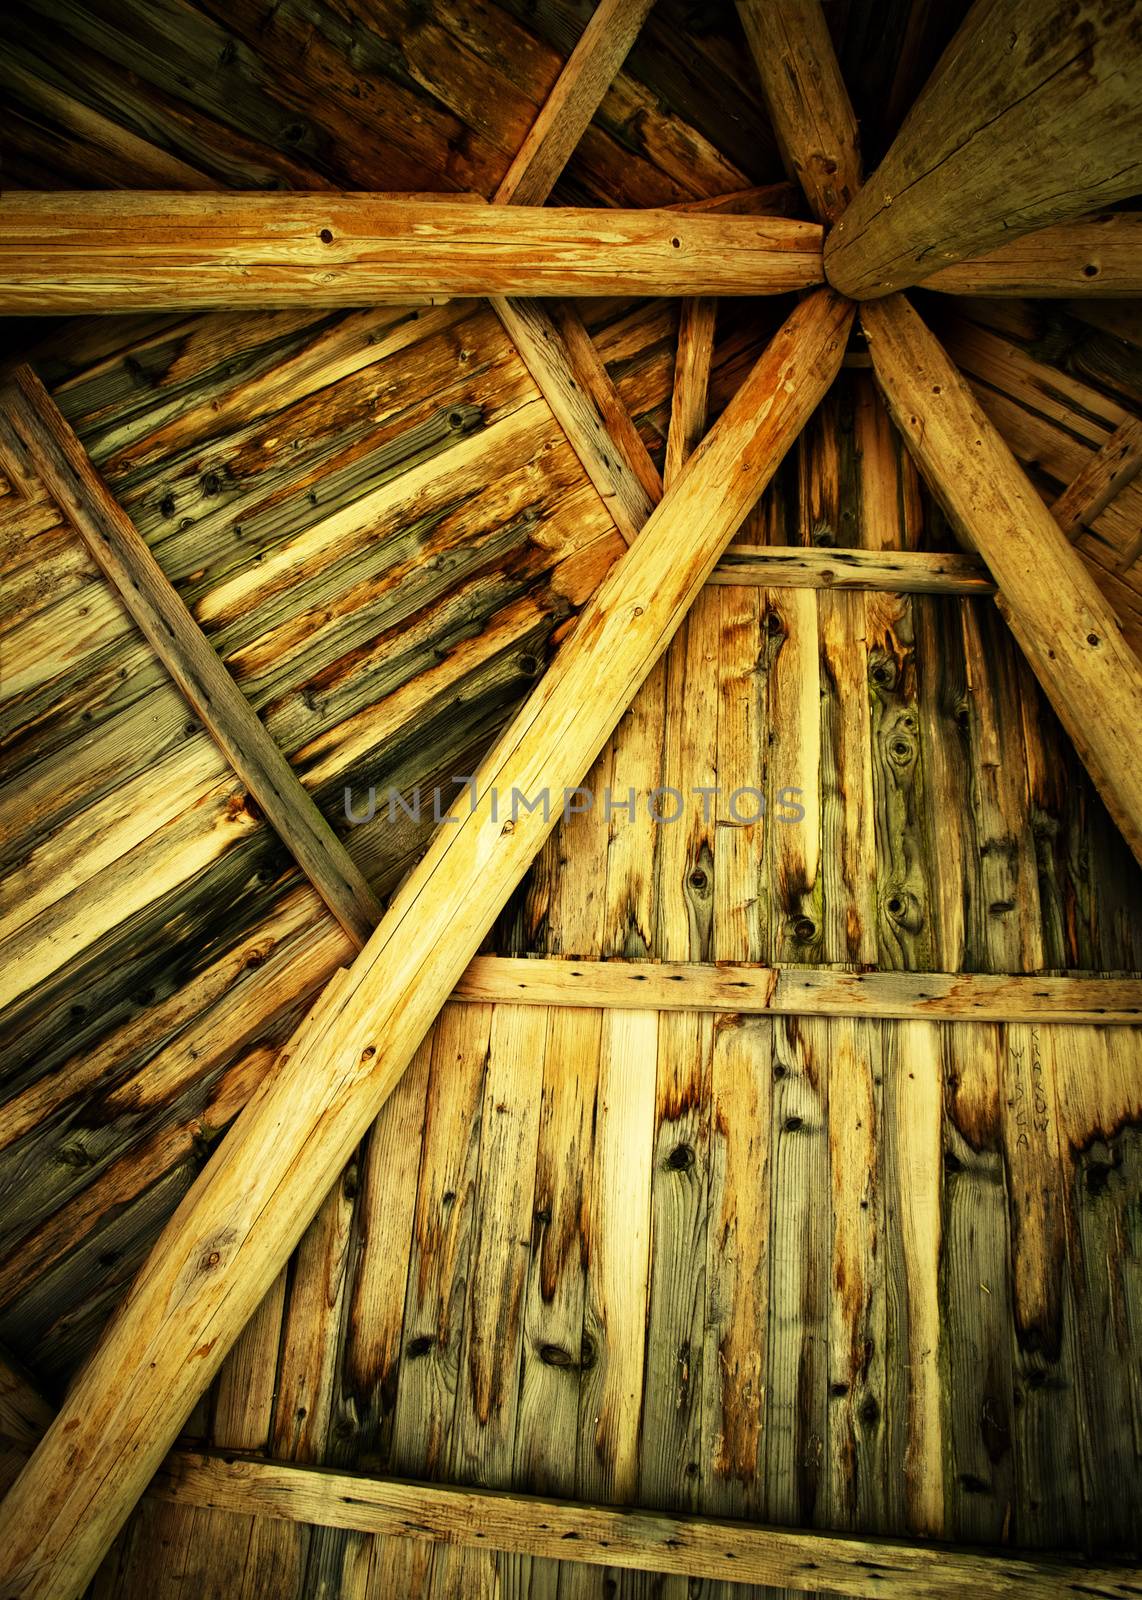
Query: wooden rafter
x=124, y=558
x=807, y=100
x=1059, y=616
x=1022, y=125
x=800, y=991
x=889, y=571
x=110, y=251
x=579, y=89
x=1097, y=256
x=1109, y=470
x=238, y=1224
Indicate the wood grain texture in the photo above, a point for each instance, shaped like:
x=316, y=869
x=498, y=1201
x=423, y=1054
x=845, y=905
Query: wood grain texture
x=123, y=556
x=651, y=1541
x=590, y=70
x=1028, y=120
x=1096, y=256
x=251, y=1216
x=1117, y=463
x=807, y=100
x=1061, y=620
x=64, y=252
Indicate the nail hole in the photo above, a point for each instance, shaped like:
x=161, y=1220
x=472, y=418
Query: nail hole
x=325, y=236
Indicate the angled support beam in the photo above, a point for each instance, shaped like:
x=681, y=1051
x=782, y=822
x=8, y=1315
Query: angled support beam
x=1055, y=609
x=1029, y=119
x=692, y=361
x=240, y=1220
x=107, y=252
x=649, y=1541
x=577, y=94
x=799, y=991
x=1097, y=256
x=124, y=558
x=1108, y=470
x=807, y=100
x=889, y=571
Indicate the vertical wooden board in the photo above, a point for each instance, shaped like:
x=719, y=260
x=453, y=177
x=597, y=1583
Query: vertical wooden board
x=483, y=1431
x=741, y=888
x=734, y=1372
x=819, y=476
x=1009, y=927
x=686, y=831
x=441, y=1243
x=629, y=830
x=903, y=920
x=848, y=838
x=670, y=1445
x=1099, y=1096
x=856, y=1484
x=943, y=712
x=888, y=495
x=401, y=1567
x=243, y=1395
x=975, y=1291
x=912, y=1164
x=799, y=1279
x=610, y=1401
x=793, y=784
x=1049, y=1497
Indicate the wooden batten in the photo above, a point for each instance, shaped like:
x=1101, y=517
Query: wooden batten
x=234, y=1231
x=1097, y=256
x=1020, y=127
x=1064, y=625
x=64, y=252
x=123, y=556
x=806, y=99
x=886, y=571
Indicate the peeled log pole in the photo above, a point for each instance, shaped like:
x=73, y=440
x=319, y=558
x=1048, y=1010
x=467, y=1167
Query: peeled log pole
x=1098, y=256
x=238, y=1224
x=1030, y=118
x=126, y=251
x=1053, y=606
x=807, y=100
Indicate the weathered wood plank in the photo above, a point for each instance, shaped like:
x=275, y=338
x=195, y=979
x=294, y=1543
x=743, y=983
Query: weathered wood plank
x=66, y=252
x=632, y=1539
x=1026, y=121
x=1058, y=615
x=305, y=1122
x=1097, y=256
x=127, y=562
x=1111, y=468
x=807, y=100
x=807, y=991
x=891, y=571
x=596, y=58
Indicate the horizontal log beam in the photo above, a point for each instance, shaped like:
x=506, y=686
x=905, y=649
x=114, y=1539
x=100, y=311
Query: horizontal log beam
x=648, y=1541
x=104, y=252
x=1030, y=118
x=1097, y=256
x=238, y=1223
x=124, y=558
x=800, y=991
x=889, y=571
x=1059, y=616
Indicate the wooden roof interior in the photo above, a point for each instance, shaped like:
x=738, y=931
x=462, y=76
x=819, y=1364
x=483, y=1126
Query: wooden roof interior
x=802, y=1270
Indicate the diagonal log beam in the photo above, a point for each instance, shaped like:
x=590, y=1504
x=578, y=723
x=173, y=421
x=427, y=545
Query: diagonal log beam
x=577, y=94
x=1097, y=256
x=1055, y=609
x=118, y=251
x=239, y=1222
x=807, y=100
x=1030, y=118
x=124, y=558
x=1108, y=470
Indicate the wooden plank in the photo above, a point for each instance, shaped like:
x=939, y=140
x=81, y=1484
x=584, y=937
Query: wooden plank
x=104, y=252
x=126, y=561
x=691, y=383
x=804, y=991
x=1096, y=256
x=807, y=100
x=891, y=571
x=1110, y=469
x=1054, y=607
x=1027, y=120
x=650, y=1541
x=578, y=92
x=224, y=1246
